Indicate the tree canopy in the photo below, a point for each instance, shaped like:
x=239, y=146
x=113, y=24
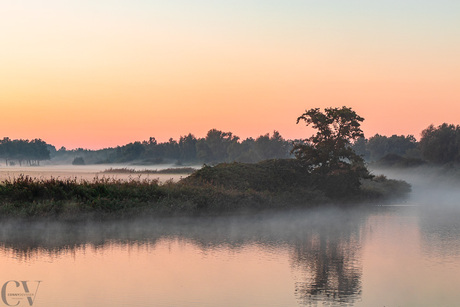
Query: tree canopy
x=217, y=146
x=441, y=144
x=31, y=152
x=380, y=146
x=329, y=150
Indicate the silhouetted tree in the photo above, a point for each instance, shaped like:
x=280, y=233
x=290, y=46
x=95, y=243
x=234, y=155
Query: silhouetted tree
x=380, y=146
x=171, y=149
x=360, y=146
x=330, y=148
x=274, y=147
x=214, y=148
x=243, y=151
x=329, y=154
x=441, y=144
x=24, y=151
x=187, y=147
x=131, y=151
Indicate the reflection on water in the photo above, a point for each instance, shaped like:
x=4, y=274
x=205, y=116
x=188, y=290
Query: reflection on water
x=331, y=267
x=440, y=231
x=322, y=246
x=333, y=257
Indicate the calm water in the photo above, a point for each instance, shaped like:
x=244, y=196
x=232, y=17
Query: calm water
x=407, y=254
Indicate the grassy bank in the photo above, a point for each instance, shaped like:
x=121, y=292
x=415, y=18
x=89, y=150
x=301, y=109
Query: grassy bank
x=210, y=190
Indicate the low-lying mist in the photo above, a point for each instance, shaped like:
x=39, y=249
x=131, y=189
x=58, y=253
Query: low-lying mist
x=285, y=227
x=325, y=245
x=434, y=191
x=436, y=199
x=431, y=186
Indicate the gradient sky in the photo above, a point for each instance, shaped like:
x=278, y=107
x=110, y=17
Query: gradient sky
x=92, y=74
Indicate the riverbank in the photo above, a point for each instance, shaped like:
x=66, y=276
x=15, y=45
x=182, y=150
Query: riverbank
x=227, y=187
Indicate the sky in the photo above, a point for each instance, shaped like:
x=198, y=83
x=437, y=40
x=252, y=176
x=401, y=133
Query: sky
x=94, y=74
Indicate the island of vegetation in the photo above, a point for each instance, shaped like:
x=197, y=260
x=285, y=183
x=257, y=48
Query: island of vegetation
x=325, y=169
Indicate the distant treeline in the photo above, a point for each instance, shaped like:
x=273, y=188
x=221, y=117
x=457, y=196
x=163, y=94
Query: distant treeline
x=379, y=146
x=217, y=146
x=439, y=145
x=24, y=151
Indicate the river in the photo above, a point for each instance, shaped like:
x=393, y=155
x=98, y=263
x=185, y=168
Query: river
x=405, y=253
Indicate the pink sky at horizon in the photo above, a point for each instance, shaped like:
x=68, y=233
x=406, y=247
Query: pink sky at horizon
x=95, y=75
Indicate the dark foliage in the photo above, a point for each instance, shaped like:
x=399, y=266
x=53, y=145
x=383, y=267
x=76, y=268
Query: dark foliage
x=24, y=151
x=216, y=147
x=330, y=150
x=226, y=187
x=441, y=144
x=380, y=146
x=288, y=177
x=78, y=161
x=270, y=175
x=393, y=160
x=329, y=153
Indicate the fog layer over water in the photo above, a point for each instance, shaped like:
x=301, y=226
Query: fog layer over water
x=90, y=172
x=404, y=254
x=436, y=197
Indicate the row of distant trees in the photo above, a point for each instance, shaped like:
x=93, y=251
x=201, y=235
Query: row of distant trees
x=379, y=146
x=438, y=145
x=216, y=146
x=24, y=151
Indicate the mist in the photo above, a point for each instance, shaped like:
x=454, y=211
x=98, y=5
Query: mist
x=432, y=186
x=328, y=249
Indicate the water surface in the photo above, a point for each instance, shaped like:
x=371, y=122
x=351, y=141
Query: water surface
x=406, y=253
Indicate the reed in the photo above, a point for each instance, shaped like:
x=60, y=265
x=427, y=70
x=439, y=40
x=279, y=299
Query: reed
x=230, y=187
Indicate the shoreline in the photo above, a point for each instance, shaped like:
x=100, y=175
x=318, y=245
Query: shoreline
x=103, y=199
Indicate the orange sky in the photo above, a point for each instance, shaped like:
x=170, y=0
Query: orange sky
x=80, y=74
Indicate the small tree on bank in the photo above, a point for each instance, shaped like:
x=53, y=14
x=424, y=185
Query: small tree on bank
x=329, y=151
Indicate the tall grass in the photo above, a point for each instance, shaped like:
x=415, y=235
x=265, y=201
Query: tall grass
x=212, y=190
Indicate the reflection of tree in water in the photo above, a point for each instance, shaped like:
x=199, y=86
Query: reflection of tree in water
x=329, y=265
x=27, y=240
x=325, y=244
